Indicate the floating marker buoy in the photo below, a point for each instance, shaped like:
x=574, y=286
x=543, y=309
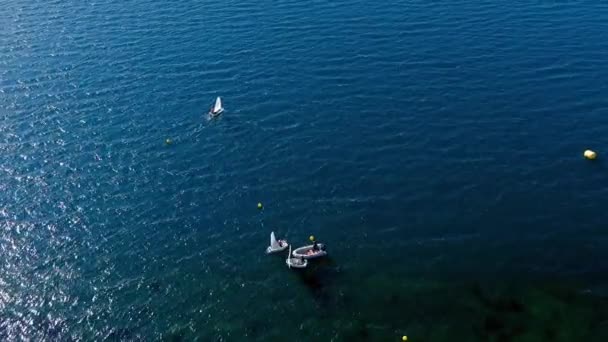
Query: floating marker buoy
x=311, y=238
x=589, y=154
x=168, y=141
x=404, y=338
x=260, y=205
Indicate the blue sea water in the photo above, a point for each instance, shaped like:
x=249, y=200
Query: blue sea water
x=432, y=145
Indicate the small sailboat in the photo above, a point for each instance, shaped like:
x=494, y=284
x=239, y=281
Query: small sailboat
x=295, y=262
x=276, y=245
x=217, y=109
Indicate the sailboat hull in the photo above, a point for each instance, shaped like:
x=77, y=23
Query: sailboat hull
x=217, y=113
x=296, y=263
x=271, y=250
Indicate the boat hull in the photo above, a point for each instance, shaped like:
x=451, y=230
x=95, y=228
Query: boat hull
x=296, y=263
x=301, y=252
x=271, y=250
x=215, y=114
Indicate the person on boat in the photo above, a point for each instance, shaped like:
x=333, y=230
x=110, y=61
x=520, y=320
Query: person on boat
x=315, y=246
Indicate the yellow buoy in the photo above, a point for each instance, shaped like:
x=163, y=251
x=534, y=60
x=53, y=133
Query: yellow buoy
x=311, y=238
x=589, y=154
x=404, y=338
x=260, y=205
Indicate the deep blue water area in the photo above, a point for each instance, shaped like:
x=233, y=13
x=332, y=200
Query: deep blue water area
x=434, y=146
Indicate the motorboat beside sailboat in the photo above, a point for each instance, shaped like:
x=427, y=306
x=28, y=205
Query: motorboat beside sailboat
x=309, y=252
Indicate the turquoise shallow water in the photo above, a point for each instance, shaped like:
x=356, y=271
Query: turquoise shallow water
x=436, y=147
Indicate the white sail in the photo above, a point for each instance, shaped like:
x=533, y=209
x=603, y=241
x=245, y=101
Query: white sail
x=218, y=105
x=273, y=241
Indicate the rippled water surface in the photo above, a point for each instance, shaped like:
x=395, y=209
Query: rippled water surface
x=434, y=146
